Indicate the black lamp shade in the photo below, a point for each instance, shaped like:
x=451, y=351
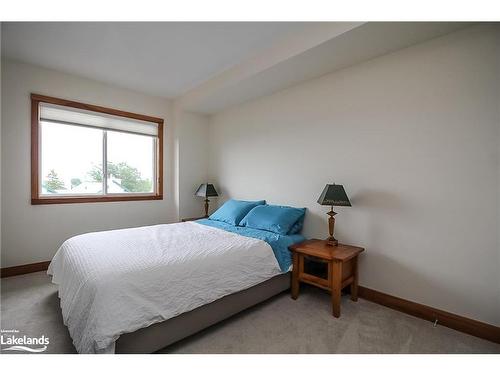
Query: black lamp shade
x=334, y=195
x=206, y=190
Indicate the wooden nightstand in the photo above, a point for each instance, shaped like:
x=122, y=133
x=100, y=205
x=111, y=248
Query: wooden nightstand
x=193, y=218
x=342, y=261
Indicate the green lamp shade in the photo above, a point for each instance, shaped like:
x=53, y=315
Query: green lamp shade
x=334, y=195
x=206, y=190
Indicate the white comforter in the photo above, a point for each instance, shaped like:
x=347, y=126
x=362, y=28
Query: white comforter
x=119, y=281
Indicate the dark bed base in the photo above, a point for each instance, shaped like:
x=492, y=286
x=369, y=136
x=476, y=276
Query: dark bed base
x=160, y=335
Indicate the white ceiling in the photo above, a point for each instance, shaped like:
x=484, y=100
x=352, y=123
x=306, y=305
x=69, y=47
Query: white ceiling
x=345, y=45
x=208, y=67
x=165, y=59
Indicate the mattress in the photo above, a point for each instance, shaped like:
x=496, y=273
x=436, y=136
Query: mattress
x=119, y=281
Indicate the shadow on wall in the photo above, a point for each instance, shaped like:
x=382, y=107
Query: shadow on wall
x=380, y=265
x=372, y=206
x=393, y=276
x=316, y=223
x=367, y=207
x=376, y=200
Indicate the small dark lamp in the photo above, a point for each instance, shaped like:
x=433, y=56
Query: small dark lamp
x=333, y=195
x=205, y=191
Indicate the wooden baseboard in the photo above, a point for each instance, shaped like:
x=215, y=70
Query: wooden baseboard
x=25, y=268
x=456, y=322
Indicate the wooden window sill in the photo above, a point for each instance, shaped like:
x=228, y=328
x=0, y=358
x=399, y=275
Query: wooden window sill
x=65, y=200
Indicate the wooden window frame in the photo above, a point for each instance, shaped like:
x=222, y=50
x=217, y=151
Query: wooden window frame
x=36, y=199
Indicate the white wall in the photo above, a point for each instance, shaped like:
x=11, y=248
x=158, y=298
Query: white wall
x=414, y=138
x=33, y=233
x=192, y=129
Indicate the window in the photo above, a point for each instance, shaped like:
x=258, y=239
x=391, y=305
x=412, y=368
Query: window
x=86, y=153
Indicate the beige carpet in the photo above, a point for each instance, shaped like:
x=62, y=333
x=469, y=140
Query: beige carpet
x=29, y=303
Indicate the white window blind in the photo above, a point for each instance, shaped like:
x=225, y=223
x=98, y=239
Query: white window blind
x=72, y=116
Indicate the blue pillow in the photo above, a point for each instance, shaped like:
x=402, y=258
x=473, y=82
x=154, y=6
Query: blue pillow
x=277, y=219
x=233, y=211
x=297, y=227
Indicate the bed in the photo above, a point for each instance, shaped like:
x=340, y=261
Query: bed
x=138, y=290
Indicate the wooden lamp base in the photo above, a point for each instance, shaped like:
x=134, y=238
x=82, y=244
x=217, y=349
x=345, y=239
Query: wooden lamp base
x=206, y=206
x=331, y=241
x=331, y=227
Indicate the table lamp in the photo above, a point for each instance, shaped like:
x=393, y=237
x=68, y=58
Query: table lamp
x=206, y=190
x=333, y=195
